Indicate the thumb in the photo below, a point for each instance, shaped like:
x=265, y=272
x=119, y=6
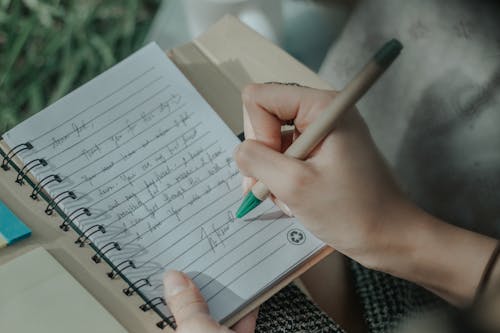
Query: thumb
x=183, y=298
x=279, y=172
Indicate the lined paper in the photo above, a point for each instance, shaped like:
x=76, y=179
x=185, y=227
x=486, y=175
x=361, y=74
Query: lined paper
x=152, y=162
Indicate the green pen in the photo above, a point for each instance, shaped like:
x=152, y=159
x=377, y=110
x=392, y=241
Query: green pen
x=325, y=123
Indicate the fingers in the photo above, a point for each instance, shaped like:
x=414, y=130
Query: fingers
x=287, y=138
x=183, y=297
x=248, y=182
x=266, y=106
x=261, y=125
x=283, y=175
x=284, y=207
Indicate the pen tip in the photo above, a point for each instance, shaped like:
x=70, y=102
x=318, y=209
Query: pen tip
x=249, y=203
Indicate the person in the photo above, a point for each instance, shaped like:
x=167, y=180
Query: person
x=345, y=195
x=433, y=117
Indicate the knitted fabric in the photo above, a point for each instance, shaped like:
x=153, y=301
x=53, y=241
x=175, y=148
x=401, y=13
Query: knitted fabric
x=291, y=311
x=387, y=302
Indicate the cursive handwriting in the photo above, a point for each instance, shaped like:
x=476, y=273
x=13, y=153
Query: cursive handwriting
x=215, y=234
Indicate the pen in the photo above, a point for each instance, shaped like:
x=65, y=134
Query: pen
x=325, y=122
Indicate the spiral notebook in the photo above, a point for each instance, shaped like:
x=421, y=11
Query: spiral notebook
x=140, y=166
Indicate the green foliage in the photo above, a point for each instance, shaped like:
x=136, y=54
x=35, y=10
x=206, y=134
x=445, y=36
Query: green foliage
x=50, y=47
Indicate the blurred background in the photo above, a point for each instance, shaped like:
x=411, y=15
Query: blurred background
x=50, y=47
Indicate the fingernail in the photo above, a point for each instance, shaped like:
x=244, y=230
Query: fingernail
x=174, y=282
x=283, y=207
x=247, y=184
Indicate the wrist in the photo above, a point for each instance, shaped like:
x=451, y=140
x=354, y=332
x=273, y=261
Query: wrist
x=394, y=239
x=450, y=260
x=443, y=258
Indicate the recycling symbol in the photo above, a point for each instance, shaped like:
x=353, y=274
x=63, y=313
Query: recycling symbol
x=296, y=236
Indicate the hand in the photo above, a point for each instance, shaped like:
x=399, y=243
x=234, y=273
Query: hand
x=343, y=192
x=191, y=311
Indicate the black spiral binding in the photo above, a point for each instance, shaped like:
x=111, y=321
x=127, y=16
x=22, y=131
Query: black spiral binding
x=169, y=321
x=105, y=249
x=84, y=237
x=14, y=151
x=42, y=183
x=28, y=167
x=57, y=200
x=136, y=286
x=73, y=216
x=117, y=270
x=152, y=303
x=86, y=234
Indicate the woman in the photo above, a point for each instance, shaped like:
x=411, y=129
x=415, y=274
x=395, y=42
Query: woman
x=434, y=116
x=346, y=196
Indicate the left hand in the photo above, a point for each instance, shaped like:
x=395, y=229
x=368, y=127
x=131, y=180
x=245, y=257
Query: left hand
x=191, y=311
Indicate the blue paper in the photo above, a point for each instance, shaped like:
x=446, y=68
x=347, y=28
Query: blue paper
x=11, y=227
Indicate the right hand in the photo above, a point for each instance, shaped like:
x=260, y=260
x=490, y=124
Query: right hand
x=343, y=192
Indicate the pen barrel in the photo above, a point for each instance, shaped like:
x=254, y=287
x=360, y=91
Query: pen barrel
x=326, y=121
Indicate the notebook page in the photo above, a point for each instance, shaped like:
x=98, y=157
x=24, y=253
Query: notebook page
x=152, y=162
x=36, y=291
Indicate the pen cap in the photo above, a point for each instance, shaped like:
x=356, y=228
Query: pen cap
x=388, y=52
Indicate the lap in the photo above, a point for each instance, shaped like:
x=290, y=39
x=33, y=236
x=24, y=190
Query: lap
x=355, y=299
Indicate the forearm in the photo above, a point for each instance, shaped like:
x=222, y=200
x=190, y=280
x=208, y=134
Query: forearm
x=443, y=258
x=449, y=260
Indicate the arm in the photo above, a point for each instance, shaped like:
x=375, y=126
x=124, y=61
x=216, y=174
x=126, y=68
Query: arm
x=345, y=194
x=443, y=258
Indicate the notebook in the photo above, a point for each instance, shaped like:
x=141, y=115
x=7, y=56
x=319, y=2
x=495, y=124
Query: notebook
x=35, y=297
x=140, y=166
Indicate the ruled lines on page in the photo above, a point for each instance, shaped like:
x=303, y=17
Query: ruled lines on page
x=153, y=164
